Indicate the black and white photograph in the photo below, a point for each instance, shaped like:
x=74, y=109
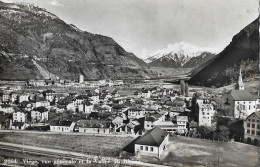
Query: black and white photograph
x=129, y=83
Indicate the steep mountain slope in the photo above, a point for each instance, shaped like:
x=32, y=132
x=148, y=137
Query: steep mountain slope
x=179, y=55
x=242, y=51
x=29, y=33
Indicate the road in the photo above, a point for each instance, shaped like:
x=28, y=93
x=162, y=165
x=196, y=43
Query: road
x=61, y=154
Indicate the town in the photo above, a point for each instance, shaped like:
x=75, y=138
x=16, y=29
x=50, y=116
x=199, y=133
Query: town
x=129, y=83
x=145, y=110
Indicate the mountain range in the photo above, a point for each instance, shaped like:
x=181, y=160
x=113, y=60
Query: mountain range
x=35, y=43
x=223, y=69
x=180, y=55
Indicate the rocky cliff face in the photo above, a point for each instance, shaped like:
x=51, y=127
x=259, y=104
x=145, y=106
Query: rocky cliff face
x=243, y=51
x=30, y=34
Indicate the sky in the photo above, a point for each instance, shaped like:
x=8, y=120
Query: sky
x=145, y=26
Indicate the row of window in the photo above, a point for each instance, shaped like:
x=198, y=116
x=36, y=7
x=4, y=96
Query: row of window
x=253, y=132
x=146, y=148
x=253, y=120
x=244, y=102
x=59, y=128
x=253, y=126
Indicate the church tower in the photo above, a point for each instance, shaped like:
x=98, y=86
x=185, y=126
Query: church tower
x=240, y=84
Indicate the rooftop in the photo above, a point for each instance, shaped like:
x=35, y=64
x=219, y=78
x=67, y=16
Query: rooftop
x=241, y=95
x=153, y=137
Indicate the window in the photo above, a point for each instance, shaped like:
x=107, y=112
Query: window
x=253, y=125
x=141, y=147
x=146, y=148
x=257, y=120
x=203, y=113
x=253, y=120
x=258, y=127
x=253, y=132
x=258, y=133
x=151, y=149
x=248, y=124
x=249, y=119
x=248, y=131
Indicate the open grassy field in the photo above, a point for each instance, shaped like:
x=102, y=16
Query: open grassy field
x=97, y=145
x=183, y=151
x=170, y=72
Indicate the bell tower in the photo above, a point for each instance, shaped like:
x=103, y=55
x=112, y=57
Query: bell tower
x=240, y=84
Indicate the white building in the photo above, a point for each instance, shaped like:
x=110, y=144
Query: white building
x=23, y=97
x=152, y=143
x=40, y=114
x=182, y=122
x=6, y=108
x=62, y=126
x=206, y=113
x=240, y=101
x=19, y=116
x=81, y=78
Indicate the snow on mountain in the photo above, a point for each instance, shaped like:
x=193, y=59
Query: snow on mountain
x=177, y=51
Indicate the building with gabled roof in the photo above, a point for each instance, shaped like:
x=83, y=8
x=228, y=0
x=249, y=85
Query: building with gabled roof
x=252, y=128
x=240, y=101
x=152, y=143
x=40, y=114
x=62, y=126
x=94, y=126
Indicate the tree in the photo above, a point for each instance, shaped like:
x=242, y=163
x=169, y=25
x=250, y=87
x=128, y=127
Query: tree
x=237, y=130
x=222, y=133
x=182, y=85
x=241, y=110
x=205, y=132
x=186, y=90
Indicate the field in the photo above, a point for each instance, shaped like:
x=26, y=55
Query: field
x=171, y=72
x=96, y=145
x=196, y=152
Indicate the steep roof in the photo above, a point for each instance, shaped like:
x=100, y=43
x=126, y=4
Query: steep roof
x=241, y=95
x=41, y=109
x=257, y=113
x=153, y=137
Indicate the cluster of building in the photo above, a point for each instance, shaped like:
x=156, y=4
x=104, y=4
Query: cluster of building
x=107, y=111
x=80, y=83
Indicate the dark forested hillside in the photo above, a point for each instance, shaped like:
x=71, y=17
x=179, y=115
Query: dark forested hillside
x=243, y=51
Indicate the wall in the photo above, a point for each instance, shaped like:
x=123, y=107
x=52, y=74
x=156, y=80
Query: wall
x=143, y=152
x=94, y=130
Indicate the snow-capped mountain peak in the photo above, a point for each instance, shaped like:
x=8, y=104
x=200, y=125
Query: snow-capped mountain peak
x=179, y=49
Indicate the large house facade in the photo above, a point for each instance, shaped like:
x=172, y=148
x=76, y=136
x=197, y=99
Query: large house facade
x=252, y=128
